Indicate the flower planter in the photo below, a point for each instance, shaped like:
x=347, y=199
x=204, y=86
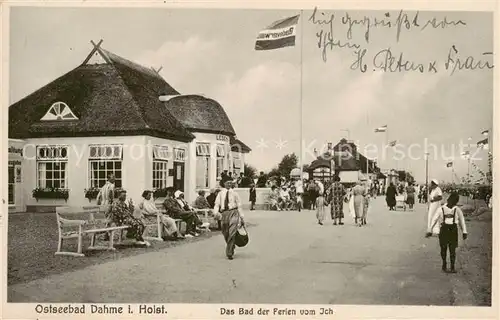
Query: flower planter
x=50, y=194
x=91, y=194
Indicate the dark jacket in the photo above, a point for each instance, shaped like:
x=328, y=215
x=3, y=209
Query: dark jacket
x=172, y=207
x=253, y=195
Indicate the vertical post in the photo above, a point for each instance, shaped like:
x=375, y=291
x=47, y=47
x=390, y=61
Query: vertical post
x=301, y=164
x=427, y=177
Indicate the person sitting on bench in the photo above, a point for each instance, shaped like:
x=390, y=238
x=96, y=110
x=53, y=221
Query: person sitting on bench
x=175, y=210
x=122, y=213
x=148, y=208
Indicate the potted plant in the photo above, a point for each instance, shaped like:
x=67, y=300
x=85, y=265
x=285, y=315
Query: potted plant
x=50, y=193
x=91, y=193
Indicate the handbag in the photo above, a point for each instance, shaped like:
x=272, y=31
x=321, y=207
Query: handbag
x=241, y=238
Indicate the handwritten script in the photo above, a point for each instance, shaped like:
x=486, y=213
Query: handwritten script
x=336, y=32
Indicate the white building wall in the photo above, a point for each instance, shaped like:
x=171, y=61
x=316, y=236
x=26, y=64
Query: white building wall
x=171, y=144
x=133, y=167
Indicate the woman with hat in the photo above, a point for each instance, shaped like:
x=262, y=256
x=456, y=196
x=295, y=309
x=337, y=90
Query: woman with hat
x=359, y=193
x=449, y=216
x=228, y=203
x=435, y=197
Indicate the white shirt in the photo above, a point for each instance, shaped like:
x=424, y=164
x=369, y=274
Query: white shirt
x=104, y=192
x=234, y=200
x=445, y=215
x=436, y=192
x=321, y=188
x=299, y=187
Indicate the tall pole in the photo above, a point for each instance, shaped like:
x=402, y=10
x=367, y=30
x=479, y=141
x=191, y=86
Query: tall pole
x=427, y=177
x=300, y=93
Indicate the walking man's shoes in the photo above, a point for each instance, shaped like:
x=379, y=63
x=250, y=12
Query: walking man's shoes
x=230, y=258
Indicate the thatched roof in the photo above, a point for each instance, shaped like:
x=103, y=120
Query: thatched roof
x=118, y=98
x=200, y=114
x=237, y=145
x=341, y=163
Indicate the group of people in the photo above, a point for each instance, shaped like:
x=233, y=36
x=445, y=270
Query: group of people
x=407, y=192
x=225, y=203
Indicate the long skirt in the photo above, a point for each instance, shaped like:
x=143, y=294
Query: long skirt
x=366, y=205
x=230, y=223
x=410, y=199
x=136, y=228
x=337, y=208
x=359, y=202
x=391, y=201
x=169, y=227
x=320, y=208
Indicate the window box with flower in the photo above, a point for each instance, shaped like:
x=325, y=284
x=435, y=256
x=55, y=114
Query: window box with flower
x=91, y=193
x=50, y=193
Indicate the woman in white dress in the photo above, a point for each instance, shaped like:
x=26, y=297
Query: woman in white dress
x=435, y=197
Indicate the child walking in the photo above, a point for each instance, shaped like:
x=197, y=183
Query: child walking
x=253, y=197
x=449, y=216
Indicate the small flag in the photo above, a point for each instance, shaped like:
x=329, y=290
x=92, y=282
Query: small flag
x=279, y=34
x=381, y=129
x=392, y=143
x=485, y=132
x=483, y=144
x=449, y=165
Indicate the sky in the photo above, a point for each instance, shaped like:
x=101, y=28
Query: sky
x=272, y=99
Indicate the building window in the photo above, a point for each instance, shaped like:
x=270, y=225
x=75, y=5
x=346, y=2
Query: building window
x=59, y=111
x=322, y=174
x=52, y=167
x=161, y=155
x=237, y=168
x=202, y=165
x=103, y=161
x=179, y=155
x=221, y=157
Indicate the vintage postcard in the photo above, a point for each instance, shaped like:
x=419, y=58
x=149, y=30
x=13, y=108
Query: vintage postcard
x=226, y=160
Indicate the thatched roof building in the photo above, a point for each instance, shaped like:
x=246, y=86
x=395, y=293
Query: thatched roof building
x=117, y=98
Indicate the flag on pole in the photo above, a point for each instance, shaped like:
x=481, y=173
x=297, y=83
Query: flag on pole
x=392, y=143
x=465, y=154
x=279, y=34
x=485, y=132
x=381, y=129
x=449, y=165
x=483, y=144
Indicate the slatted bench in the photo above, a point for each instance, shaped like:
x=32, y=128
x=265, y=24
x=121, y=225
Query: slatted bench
x=77, y=228
x=161, y=208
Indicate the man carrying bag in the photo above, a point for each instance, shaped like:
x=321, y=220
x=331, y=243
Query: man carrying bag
x=228, y=203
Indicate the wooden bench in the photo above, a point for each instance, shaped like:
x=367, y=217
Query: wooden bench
x=153, y=222
x=161, y=208
x=77, y=228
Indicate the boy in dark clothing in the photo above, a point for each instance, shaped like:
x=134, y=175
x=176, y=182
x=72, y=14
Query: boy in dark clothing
x=253, y=197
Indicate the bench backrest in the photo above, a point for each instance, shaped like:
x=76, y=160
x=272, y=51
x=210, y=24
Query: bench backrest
x=80, y=213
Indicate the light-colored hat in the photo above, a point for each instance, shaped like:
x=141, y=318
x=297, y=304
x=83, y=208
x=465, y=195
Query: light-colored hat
x=436, y=182
x=178, y=193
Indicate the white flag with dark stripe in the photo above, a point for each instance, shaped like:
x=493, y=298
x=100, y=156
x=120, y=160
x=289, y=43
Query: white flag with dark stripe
x=279, y=34
x=381, y=129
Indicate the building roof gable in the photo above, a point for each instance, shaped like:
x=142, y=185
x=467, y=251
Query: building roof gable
x=119, y=97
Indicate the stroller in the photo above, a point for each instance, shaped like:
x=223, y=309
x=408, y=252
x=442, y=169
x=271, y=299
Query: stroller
x=401, y=201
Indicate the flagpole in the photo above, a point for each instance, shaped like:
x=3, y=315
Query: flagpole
x=300, y=93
